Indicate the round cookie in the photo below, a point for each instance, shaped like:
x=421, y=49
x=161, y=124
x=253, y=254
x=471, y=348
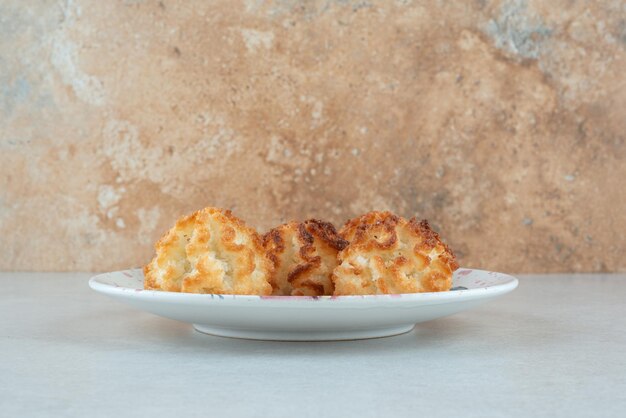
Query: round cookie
x=304, y=255
x=210, y=251
x=388, y=254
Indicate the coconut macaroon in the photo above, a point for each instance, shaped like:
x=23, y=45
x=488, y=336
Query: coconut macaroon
x=388, y=254
x=304, y=255
x=210, y=251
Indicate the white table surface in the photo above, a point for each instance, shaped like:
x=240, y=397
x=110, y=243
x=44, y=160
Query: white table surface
x=554, y=347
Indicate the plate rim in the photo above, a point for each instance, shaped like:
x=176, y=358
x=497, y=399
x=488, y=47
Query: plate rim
x=510, y=284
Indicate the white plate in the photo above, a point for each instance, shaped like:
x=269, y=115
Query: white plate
x=303, y=318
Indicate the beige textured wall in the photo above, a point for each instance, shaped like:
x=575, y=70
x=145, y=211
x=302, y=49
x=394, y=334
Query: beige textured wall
x=502, y=122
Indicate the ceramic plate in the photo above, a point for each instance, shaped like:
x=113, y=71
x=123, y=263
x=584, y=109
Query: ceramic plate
x=303, y=318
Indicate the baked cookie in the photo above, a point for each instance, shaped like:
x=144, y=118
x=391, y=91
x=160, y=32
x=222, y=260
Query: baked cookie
x=388, y=254
x=304, y=255
x=210, y=251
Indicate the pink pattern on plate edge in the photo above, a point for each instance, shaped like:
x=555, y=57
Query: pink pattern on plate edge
x=464, y=272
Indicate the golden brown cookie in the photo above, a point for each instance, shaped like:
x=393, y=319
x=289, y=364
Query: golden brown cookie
x=304, y=256
x=210, y=251
x=388, y=254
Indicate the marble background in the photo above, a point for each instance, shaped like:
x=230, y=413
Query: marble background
x=502, y=122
